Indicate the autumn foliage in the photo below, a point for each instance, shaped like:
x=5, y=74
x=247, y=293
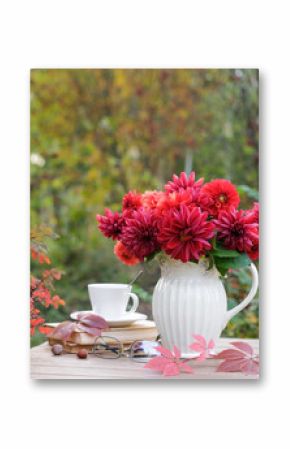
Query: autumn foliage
x=42, y=288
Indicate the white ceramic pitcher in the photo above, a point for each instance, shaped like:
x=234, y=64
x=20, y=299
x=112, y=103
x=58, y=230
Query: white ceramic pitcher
x=189, y=300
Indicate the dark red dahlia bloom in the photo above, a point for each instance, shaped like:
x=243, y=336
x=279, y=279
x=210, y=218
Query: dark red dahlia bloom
x=139, y=235
x=184, y=183
x=254, y=252
x=132, y=201
x=185, y=233
x=255, y=212
x=110, y=224
x=218, y=195
x=236, y=230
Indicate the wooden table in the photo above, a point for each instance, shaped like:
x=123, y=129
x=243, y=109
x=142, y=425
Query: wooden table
x=45, y=365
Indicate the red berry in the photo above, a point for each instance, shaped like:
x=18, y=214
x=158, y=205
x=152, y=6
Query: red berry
x=57, y=349
x=82, y=354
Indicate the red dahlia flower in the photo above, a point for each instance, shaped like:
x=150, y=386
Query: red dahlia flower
x=174, y=199
x=150, y=198
x=184, y=183
x=132, y=201
x=255, y=211
x=139, y=234
x=218, y=195
x=124, y=254
x=185, y=233
x=237, y=230
x=110, y=224
x=254, y=252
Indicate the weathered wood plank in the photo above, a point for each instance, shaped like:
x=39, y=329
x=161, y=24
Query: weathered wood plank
x=44, y=365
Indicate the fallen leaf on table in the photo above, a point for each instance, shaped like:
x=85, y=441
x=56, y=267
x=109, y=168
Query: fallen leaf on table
x=89, y=323
x=202, y=347
x=169, y=363
x=92, y=320
x=64, y=330
x=242, y=359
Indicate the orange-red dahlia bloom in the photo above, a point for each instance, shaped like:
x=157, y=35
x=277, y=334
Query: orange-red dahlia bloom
x=150, y=198
x=217, y=196
x=174, y=199
x=236, y=230
x=110, y=224
x=124, y=254
x=185, y=233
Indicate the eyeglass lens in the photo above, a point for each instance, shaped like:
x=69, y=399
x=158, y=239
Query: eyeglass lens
x=143, y=351
x=107, y=348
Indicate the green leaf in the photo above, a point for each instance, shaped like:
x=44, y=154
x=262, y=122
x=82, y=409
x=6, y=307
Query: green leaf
x=250, y=192
x=223, y=264
x=225, y=253
x=210, y=262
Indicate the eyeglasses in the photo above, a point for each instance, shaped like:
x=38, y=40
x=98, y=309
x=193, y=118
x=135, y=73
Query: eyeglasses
x=138, y=351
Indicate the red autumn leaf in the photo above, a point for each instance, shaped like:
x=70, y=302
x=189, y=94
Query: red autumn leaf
x=56, y=274
x=157, y=363
x=242, y=346
x=56, y=301
x=202, y=347
x=241, y=360
x=41, y=257
x=33, y=282
x=228, y=354
x=89, y=330
x=41, y=289
x=171, y=369
x=92, y=320
x=44, y=259
x=169, y=363
x=45, y=330
x=36, y=321
x=245, y=366
x=53, y=273
x=34, y=311
x=64, y=330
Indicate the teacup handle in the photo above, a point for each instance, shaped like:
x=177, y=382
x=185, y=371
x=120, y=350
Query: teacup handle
x=231, y=313
x=135, y=303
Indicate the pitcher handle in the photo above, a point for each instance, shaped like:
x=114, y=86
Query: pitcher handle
x=255, y=282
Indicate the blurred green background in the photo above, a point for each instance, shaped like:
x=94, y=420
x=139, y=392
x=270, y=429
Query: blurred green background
x=95, y=134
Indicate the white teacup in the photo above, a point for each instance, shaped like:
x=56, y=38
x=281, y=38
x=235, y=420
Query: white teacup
x=111, y=300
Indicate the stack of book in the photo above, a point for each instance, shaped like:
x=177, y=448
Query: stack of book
x=140, y=330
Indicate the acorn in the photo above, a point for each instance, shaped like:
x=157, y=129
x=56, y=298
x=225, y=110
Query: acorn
x=57, y=349
x=82, y=354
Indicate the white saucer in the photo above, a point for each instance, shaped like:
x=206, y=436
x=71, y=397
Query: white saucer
x=124, y=320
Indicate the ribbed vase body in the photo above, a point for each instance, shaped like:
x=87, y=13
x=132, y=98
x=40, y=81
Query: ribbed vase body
x=188, y=300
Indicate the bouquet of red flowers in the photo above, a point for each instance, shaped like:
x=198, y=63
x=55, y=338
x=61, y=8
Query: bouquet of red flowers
x=188, y=220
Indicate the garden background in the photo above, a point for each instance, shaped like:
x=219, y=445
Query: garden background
x=95, y=134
